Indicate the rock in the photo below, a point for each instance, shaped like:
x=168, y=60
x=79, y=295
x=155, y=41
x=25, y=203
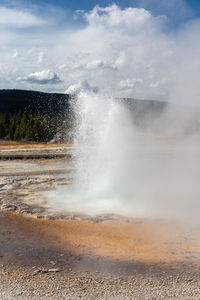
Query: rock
x=9, y=207
x=35, y=272
x=54, y=270
x=43, y=271
x=26, y=212
x=190, y=279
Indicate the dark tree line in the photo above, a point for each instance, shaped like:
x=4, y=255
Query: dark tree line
x=36, y=127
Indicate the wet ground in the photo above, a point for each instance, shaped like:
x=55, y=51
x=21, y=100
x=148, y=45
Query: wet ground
x=22, y=183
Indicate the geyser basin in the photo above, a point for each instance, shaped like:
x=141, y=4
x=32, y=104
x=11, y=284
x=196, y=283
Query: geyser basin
x=121, y=168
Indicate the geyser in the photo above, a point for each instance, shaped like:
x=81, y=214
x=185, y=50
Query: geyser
x=103, y=147
x=104, y=143
x=125, y=169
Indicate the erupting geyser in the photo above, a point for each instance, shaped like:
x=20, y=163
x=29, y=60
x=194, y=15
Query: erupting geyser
x=125, y=169
x=103, y=148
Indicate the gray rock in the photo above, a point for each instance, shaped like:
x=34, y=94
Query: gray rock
x=54, y=270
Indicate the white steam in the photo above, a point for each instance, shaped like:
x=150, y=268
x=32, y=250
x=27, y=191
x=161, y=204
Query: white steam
x=125, y=169
x=102, y=151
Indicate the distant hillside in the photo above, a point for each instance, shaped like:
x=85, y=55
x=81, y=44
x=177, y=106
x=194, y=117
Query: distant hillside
x=13, y=101
x=33, y=115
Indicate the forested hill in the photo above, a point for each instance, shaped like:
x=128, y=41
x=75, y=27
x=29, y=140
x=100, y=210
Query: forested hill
x=14, y=101
x=53, y=104
x=37, y=116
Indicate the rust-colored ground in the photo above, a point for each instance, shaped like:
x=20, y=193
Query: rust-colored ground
x=147, y=242
x=148, y=260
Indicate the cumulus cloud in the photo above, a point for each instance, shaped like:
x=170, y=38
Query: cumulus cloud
x=112, y=16
x=130, y=83
x=129, y=42
x=43, y=77
x=80, y=86
x=125, y=52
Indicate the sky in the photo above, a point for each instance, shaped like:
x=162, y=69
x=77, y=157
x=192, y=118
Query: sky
x=146, y=49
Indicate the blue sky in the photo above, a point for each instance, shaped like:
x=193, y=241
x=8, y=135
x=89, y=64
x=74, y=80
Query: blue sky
x=136, y=48
x=171, y=8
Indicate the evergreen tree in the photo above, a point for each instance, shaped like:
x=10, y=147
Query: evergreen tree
x=22, y=126
x=17, y=135
x=31, y=126
x=12, y=127
x=4, y=125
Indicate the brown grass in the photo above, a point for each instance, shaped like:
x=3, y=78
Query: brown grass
x=19, y=145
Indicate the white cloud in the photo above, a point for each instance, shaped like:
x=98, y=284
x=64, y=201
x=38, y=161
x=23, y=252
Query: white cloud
x=43, y=77
x=80, y=86
x=154, y=85
x=129, y=42
x=79, y=13
x=113, y=16
x=94, y=65
x=130, y=83
x=18, y=18
x=15, y=54
x=40, y=57
x=99, y=64
x=123, y=52
x=61, y=67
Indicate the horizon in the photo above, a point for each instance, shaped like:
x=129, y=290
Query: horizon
x=62, y=93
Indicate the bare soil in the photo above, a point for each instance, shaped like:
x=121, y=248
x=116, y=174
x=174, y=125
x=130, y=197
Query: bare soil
x=76, y=259
x=45, y=255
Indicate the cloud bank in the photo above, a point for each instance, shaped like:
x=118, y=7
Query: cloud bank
x=123, y=52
